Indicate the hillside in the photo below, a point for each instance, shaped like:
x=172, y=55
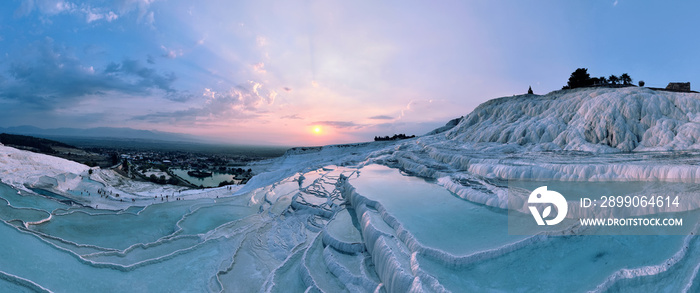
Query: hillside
x=587, y=119
x=40, y=145
x=54, y=148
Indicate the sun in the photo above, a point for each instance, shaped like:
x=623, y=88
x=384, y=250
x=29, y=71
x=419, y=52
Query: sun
x=317, y=129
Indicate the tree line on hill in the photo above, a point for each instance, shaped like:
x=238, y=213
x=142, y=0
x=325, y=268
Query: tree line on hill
x=395, y=137
x=581, y=78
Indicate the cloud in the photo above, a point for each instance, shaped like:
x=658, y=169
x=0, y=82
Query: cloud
x=25, y=8
x=93, y=49
x=49, y=7
x=89, y=12
x=94, y=15
x=54, y=78
x=142, y=8
x=179, y=96
x=261, y=41
x=338, y=124
x=200, y=115
x=55, y=7
x=240, y=102
x=150, y=19
x=145, y=78
x=381, y=117
x=293, y=116
x=245, y=97
x=170, y=53
x=286, y=89
x=615, y=3
x=420, y=104
x=259, y=67
x=111, y=16
x=90, y=17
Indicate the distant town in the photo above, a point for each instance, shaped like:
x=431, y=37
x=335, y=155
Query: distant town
x=183, y=168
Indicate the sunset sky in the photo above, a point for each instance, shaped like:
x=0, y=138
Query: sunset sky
x=318, y=72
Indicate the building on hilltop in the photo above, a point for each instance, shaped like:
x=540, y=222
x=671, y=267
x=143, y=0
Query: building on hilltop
x=679, y=86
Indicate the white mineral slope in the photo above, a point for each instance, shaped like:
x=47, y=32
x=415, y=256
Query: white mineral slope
x=20, y=168
x=600, y=120
x=24, y=170
x=303, y=159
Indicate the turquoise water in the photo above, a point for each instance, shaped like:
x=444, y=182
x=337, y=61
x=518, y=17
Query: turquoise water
x=439, y=220
x=434, y=215
x=318, y=230
x=117, y=231
x=29, y=201
x=211, y=181
x=159, y=248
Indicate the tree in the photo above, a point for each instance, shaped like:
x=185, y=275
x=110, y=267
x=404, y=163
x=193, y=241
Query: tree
x=529, y=91
x=641, y=83
x=613, y=79
x=626, y=79
x=579, y=78
x=115, y=158
x=603, y=80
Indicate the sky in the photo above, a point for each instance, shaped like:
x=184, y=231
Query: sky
x=301, y=73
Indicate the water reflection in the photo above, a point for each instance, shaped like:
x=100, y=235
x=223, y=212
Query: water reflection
x=211, y=181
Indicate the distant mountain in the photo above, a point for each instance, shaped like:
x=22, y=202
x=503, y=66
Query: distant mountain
x=41, y=145
x=56, y=148
x=102, y=132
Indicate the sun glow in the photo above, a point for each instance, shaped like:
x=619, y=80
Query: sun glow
x=317, y=129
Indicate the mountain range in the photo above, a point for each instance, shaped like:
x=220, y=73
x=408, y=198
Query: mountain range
x=102, y=133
